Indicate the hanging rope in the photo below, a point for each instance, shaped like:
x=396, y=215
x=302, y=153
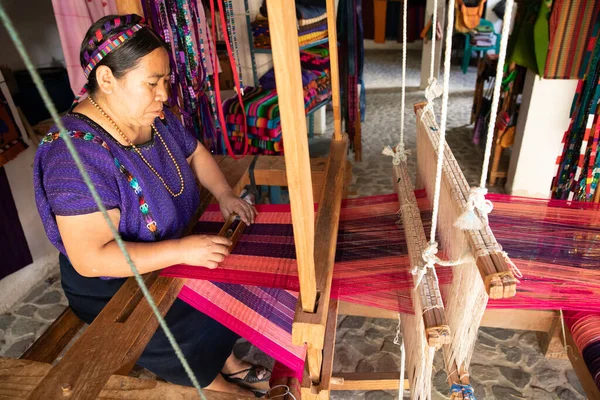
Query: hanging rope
x=429, y=254
x=433, y=89
x=469, y=220
x=399, y=154
x=400, y=343
x=63, y=134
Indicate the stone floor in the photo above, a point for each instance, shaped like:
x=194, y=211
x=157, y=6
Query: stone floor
x=506, y=364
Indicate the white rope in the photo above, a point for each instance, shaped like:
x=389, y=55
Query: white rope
x=469, y=220
x=433, y=89
x=431, y=259
x=402, y=359
x=431, y=250
x=287, y=392
x=400, y=154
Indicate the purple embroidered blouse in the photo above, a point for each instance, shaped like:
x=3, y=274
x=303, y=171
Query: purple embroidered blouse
x=60, y=189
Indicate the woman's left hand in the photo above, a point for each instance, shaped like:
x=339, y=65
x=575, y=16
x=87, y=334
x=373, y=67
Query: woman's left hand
x=230, y=203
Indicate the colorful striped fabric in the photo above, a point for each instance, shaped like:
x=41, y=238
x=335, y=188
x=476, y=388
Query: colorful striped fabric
x=573, y=31
x=576, y=175
x=253, y=291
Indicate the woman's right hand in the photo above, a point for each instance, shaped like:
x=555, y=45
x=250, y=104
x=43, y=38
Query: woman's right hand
x=204, y=250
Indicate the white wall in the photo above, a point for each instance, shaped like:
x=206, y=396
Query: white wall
x=20, y=178
x=45, y=256
x=543, y=120
x=35, y=23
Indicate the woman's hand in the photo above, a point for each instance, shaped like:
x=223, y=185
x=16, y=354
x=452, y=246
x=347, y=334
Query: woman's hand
x=203, y=250
x=230, y=203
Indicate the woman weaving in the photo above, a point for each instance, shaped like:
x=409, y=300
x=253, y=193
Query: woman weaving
x=144, y=165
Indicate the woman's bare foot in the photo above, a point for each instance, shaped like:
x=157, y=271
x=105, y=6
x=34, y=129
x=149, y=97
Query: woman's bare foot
x=221, y=385
x=238, y=369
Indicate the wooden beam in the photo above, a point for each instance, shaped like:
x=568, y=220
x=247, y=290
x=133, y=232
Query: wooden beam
x=380, y=13
x=54, y=339
x=286, y=63
x=551, y=342
x=581, y=369
x=19, y=377
x=270, y=171
x=367, y=381
x=309, y=327
x=318, y=386
x=428, y=299
x=334, y=70
x=527, y=320
x=129, y=7
x=112, y=343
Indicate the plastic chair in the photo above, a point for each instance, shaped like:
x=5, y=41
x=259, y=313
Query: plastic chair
x=469, y=48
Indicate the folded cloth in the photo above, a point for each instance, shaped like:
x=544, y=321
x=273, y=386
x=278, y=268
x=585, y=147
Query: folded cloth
x=303, y=11
x=304, y=22
x=311, y=37
x=317, y=28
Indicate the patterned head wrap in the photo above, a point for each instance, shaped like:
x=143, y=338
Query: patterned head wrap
x=101, y=46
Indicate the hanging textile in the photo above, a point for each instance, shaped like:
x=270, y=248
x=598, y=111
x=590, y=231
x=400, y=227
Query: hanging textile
x=572, y=24
x=351, y=64
x=74, y=18
x=11, y=142
x=521, y=44
x=578, y=170
x=13, y=244
x=556, y=250
x=183, y=26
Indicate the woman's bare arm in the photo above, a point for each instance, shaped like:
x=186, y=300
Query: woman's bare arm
x=93, y=251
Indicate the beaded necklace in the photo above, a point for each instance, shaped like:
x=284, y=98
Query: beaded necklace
x=140, y=153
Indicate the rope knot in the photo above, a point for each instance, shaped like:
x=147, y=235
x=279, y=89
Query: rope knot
x=430, y=259
x=432, y=91
x=399, y=154
x=469, y=220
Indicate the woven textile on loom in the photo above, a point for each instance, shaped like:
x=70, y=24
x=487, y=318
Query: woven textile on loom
x=262, y=109
x=555, y=249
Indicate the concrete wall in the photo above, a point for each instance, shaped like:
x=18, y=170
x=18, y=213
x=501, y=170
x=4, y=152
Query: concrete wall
x=35, y=23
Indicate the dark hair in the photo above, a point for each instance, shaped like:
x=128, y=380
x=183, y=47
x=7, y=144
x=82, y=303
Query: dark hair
x=125, y=57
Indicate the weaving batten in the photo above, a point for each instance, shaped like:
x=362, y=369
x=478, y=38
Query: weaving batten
x=52, y=381
x=465, y=296
x=497, y=275
x=427, y=300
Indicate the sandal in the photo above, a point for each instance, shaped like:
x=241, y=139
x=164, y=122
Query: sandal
x=251, y=378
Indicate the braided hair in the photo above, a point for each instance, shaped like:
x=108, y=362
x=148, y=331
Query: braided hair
x=127, y=55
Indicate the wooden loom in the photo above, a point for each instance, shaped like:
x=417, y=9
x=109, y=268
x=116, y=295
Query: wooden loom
x=96, y=364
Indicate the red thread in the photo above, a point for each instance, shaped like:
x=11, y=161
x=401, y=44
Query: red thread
x=236, y=78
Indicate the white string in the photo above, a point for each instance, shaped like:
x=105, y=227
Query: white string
x=431, y=250
x=469, y=220
x=430, y=260
x=287, y=392
x=433, y=90
x=400, y=153
x=564, y=335
x=402, y=359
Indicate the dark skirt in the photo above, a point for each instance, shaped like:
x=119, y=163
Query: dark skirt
x=205, y=343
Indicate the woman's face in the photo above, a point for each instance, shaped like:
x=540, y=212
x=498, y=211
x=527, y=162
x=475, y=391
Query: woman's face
x=141, y=92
